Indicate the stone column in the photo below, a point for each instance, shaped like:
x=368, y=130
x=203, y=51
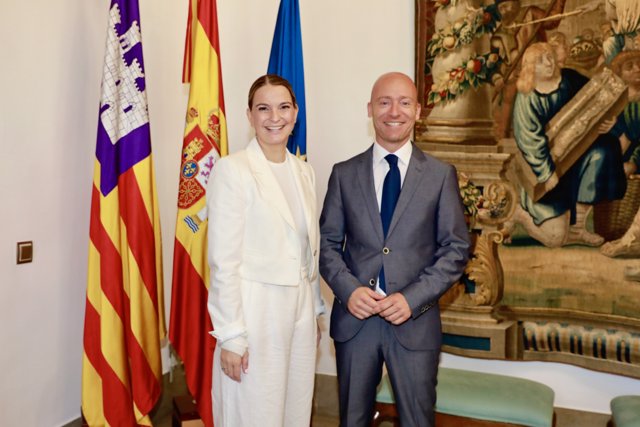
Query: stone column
x=467, y=118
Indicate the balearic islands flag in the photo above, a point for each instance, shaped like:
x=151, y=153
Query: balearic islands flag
x=205, y=140
x=124, y=316
x=286, y=61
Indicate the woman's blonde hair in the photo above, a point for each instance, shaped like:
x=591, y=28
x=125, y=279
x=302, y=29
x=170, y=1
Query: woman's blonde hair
x=527, y=79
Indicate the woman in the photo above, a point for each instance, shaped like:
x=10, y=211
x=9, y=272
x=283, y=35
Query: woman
x=264, y=294
x=560, y=216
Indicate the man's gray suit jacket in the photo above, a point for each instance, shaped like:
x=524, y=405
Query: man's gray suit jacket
x=424, y=253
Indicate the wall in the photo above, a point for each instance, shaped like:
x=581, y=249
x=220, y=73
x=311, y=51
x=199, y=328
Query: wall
x=49, y=80
x=52, y=55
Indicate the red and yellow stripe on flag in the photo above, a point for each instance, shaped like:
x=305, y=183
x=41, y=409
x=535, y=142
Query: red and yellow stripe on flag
x=124, y=316
x=205, y=140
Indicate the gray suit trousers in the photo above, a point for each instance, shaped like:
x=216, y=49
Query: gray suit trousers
x=359, y=363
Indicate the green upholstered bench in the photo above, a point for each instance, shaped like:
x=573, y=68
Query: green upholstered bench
x=625, y=411
x=467, y=398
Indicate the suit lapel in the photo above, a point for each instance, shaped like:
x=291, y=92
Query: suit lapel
x=412, y=180
x=305, y=186
x=368, y=189
x=266, y=182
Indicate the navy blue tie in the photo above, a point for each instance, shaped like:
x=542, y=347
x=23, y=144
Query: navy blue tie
x=390, y=194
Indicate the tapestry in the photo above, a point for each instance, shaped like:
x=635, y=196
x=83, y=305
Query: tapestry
x=537, y=104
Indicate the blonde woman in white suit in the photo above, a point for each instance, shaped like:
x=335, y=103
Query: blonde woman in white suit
x=264, y=295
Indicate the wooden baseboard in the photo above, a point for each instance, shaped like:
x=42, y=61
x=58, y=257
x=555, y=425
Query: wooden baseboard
x=446, y=420
x=386, y=412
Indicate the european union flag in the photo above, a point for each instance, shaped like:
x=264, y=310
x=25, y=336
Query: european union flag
x=286, y=61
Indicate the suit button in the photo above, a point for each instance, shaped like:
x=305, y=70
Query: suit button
x=385, y=250
x=372, y=282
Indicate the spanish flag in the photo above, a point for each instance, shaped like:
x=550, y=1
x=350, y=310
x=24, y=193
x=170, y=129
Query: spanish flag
x=124, y=316
x=205, y=140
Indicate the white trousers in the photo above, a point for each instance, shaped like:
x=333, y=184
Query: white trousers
x=277, y=390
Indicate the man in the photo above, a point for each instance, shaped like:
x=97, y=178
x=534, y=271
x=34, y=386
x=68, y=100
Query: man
x=511, y=41
x=560, y=216
x=388, y=263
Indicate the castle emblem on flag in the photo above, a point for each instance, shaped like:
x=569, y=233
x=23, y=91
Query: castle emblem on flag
x=123, y=107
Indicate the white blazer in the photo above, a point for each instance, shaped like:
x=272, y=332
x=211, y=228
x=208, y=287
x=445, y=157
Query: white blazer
x=252, y=238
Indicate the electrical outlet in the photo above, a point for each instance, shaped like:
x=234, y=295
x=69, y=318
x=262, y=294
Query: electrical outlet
x=24, y=252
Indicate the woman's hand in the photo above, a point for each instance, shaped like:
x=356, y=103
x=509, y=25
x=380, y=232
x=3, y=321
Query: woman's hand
x=233, y=364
